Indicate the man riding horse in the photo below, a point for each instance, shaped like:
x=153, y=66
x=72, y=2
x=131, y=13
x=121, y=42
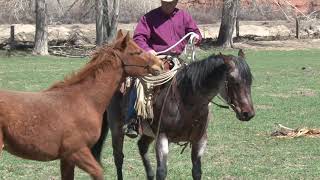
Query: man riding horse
x=157, y=31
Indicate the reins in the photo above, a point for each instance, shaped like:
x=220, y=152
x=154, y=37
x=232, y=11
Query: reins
x=162, y=108
x=228, y=101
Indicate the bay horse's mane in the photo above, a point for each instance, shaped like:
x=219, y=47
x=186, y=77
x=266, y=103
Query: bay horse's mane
x=196, y=75
x=102, y=59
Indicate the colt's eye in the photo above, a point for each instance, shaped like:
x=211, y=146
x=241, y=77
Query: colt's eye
x=135, y=53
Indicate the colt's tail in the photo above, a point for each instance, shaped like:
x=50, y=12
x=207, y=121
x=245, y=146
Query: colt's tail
x=97, y=148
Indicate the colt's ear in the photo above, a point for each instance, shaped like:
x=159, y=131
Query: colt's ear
x=241, y=53
x=119, y=34
x=122, y=42
x=127, y=38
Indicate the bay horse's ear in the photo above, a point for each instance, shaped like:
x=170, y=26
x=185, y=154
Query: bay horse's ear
x=241, y=53
x=119, y=34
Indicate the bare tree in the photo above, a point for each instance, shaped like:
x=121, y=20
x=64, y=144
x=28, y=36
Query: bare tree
x=41, y=37
x=106, y=21
x=228, y=20
x=99, y=22
x=111, y=19
x=16, y=11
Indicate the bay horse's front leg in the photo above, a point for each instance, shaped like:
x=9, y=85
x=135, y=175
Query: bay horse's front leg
x=117, y=145
x=143, y=144
x=162, y=150
x=197, y=151
x=115, y=123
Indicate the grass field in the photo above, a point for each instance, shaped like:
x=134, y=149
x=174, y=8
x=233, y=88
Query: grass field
x=286, y=90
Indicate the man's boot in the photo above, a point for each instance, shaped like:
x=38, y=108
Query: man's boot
x=130, y=129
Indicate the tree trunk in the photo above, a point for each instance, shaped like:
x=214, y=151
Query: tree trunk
x=114, y=19
x=41, y=37
x=106, y=23
x=111, y=19
x=99, y=22
x=237, y=27
x=228, y=19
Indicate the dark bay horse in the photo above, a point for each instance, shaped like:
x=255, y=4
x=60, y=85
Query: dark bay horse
x=64, y=121
x=181, y=110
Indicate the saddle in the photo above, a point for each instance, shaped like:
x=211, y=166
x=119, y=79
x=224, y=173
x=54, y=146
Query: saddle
x=145, y=93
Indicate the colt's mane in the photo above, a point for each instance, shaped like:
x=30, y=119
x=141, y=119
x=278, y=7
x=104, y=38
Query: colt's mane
x=102, y=59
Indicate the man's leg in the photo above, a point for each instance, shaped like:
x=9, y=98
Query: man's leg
x=130, y=119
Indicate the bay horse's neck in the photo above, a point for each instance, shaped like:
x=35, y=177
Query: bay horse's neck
x=200, y=81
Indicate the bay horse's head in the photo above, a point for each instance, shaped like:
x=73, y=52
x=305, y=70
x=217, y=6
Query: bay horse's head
x=237, y=88
x=136, y=62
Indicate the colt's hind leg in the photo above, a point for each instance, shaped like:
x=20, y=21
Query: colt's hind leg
x=143, y=145
x=85, y=161
x=162, y=150
x=67, y=170
x=196, y=153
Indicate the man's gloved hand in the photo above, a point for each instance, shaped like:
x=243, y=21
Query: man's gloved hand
x=196, y=38
x=151, y=51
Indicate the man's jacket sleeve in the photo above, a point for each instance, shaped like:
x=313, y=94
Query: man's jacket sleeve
x=142, y=34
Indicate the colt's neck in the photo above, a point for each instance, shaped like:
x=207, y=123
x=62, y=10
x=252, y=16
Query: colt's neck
x=101, y=89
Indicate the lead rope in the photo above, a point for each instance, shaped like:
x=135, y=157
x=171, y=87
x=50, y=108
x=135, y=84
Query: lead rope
x=192, y=35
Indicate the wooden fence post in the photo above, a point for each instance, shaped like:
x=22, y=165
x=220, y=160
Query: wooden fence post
x=297, y=28
x=11, y=43
x=12, y=36
x=237, y=27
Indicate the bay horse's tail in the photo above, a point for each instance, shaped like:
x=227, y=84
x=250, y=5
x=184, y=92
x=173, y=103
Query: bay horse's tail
x=97, y=148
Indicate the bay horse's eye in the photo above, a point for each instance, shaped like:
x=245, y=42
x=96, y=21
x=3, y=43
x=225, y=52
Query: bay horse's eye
x=233, y=80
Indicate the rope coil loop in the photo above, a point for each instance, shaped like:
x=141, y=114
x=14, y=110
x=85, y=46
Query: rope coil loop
x=145, y=85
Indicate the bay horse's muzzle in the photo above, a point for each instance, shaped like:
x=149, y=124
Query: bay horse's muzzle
x=246, y=115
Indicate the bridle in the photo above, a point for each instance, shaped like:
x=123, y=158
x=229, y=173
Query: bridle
x=226, y=101
x=130, y=65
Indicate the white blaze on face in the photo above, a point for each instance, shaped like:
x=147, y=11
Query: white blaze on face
x=235, y=73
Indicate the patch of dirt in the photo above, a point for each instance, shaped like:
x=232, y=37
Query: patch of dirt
x=281, y=95
x=305, y=92
x=264, y=35
x=285, y=132
x=298, y=92
x=263, y=107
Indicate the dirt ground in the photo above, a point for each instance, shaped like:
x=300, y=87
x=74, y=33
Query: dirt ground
x=259, y=34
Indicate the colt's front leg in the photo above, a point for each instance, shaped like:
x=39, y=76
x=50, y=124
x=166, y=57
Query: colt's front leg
x=162, y=150
x=196, y=153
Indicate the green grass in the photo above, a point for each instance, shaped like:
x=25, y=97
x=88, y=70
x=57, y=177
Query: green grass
x=286, y=90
